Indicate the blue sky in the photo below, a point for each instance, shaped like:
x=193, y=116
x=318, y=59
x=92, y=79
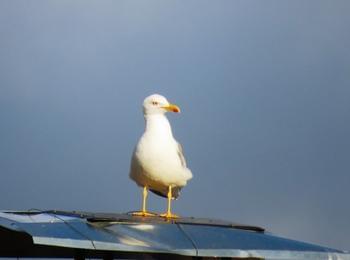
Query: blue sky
x=263, y=87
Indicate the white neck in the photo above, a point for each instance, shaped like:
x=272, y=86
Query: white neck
x=158, y=124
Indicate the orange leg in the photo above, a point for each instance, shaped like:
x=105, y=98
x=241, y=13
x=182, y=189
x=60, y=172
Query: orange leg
x=143, y=212
x=168, y=214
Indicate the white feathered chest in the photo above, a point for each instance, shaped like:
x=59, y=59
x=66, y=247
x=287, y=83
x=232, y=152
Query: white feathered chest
x=158, y=156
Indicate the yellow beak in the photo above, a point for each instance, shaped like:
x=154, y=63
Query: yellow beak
x=172, y=108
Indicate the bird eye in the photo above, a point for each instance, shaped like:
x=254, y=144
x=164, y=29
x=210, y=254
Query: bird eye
x=154, y=103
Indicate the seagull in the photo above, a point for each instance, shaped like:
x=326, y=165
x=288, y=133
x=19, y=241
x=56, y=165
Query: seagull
x=157, y=162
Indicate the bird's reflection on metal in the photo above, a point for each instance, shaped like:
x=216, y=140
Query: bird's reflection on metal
x=124, y=235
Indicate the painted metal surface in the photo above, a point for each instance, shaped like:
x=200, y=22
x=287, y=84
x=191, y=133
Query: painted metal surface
x=155, y=235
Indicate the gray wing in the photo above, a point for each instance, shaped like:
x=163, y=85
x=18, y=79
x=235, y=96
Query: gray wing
x=181, y=155
x=176, y=190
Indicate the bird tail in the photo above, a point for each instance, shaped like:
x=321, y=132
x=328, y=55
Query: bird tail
x=164, y=194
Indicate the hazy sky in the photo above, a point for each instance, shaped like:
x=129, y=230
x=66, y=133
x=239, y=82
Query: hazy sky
x=264, y=88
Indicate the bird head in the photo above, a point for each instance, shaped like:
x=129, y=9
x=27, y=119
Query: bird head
x=157, y=104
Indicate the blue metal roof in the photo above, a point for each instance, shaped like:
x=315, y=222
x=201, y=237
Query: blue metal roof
x=115, y=234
